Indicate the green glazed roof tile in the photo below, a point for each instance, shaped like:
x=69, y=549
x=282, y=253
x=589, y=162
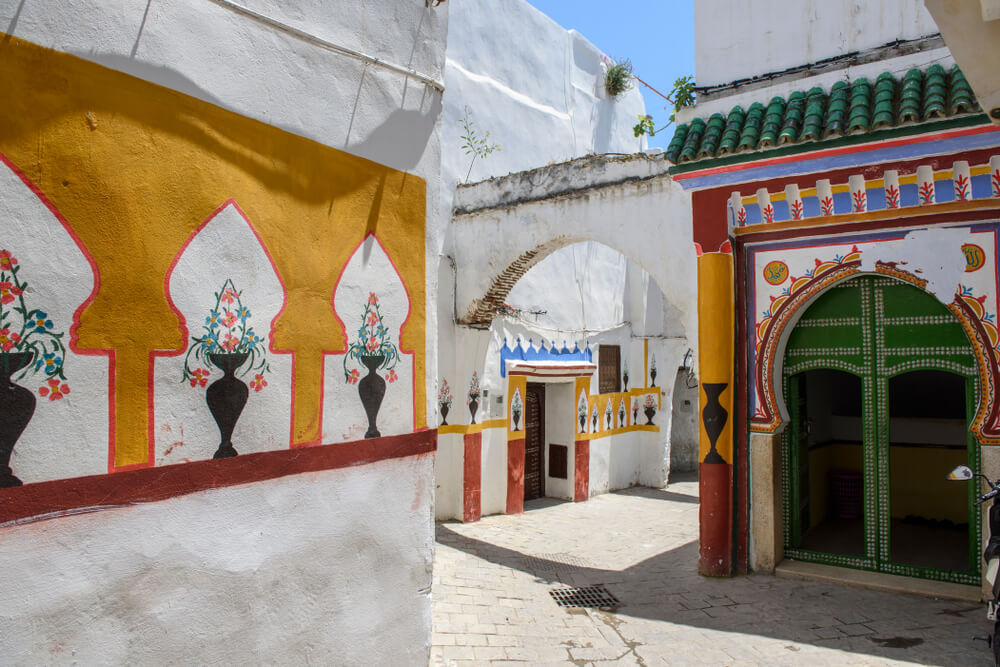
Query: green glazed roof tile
x=695, y=129
x=710, y=139
x=856, y=107
x=751, y=127
x=731, y=135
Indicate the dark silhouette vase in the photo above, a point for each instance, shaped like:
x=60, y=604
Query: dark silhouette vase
x=17, y=405
x=371, y=388
x=473, y=406
x=444, y=415
x=517, y=418
x=608, y=419
x=621, y=418
x=652, y=378
x=594, y=422
x=625, y=379
x=583, y=423
x=714, y=418
x=226, y=398
x=650, y=413
x=635, y=415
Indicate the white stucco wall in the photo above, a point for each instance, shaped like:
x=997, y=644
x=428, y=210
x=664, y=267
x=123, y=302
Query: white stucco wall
x=735, y=40
x=328, y=568
x=560, y=415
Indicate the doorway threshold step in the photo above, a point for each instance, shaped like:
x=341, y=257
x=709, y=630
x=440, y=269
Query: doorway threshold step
x=877, y=580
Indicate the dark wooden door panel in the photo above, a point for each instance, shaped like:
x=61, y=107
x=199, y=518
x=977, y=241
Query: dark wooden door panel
x=534, y=441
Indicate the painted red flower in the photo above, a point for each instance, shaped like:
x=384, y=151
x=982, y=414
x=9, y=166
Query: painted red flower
x=229, y=295
x=372, y=319
x=7, y=261
x=258, y=382
x=371, y=345
x=229, y=342
x=229, y=319
x=391, y=376
x=55, y=390
x=372, y=299
x=199, y=377
x=8, y=291
x=8, y=339
x=354, y=376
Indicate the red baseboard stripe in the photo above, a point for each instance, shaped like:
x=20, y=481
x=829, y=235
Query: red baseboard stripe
x=46, y=500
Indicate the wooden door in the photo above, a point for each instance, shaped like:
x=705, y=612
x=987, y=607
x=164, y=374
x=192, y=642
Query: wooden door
x=534, y=441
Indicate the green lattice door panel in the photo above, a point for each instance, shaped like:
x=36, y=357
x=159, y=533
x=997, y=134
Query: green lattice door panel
x=878, y=382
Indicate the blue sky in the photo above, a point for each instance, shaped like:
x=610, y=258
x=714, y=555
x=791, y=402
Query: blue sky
x=657, y=36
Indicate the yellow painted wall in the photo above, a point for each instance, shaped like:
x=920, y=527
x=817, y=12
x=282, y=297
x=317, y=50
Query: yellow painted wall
x=135, y=168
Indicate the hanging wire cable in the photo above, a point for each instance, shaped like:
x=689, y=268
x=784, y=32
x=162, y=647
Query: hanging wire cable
x=330, y=46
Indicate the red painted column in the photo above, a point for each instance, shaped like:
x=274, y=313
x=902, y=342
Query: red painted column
x=715, y=441
x=515, y=476
x=581, y=471
x=472, y=508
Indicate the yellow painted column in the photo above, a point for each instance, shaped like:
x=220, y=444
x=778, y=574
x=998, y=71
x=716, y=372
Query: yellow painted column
x=715, y=402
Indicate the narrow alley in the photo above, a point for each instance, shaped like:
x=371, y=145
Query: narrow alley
x=492, y=602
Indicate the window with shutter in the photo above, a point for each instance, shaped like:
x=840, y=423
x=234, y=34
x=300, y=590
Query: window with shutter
x=609, y=369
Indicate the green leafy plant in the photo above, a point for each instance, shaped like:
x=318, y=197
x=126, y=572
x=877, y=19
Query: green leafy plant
x=680, y=96
x=475, y=145
x=617, y=76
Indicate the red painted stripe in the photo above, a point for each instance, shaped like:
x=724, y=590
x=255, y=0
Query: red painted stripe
x=831, y=152
x=554, y=374
x=715, y=519
x=46, y=500
x=472, y=509
x=581, y=464
x=515, y=476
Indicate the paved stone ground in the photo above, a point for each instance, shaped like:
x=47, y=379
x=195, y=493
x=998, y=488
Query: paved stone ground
x=492, y=603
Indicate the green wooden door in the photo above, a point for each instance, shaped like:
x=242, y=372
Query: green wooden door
x=878, y=378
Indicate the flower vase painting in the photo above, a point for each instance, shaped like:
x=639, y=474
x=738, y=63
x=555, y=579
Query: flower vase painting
x=473, y=397
x=29, y=345
x=374, y=351
x=229, y=344
x=226, y=391
x=445, y=398
x=516, y=408
x=581, y=412
x=369, y=391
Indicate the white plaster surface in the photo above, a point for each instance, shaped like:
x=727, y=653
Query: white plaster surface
x=304, y=569
x=738, y=40
x=560, y=415
x=494, y=471
x=449, y=476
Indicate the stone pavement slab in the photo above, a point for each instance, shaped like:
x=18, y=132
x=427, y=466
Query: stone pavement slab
x=491, y=602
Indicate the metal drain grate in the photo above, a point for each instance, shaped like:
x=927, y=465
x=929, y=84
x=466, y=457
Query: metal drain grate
x=594, y=597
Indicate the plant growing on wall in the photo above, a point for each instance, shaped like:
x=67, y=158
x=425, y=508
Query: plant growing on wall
x=444, y=401
x=473, y=398
x=680, y=96
x=617, y=76
x=375, y=350
x=227, y=343
x=29, y=344
x=475, y=145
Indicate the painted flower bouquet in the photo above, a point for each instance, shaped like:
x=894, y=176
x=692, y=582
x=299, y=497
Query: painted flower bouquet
x=516, y=407
x=373, y=346
x=473, y=397
x=444, y=401
x=227, y=342
x=28, y=341
x=649, y=408
x=28, y=344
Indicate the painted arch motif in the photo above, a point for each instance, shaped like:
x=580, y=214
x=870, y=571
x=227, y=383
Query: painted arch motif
x=971, y=305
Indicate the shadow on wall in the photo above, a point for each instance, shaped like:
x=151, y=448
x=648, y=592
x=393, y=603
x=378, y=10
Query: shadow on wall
x=401, y=139
x=684, y=425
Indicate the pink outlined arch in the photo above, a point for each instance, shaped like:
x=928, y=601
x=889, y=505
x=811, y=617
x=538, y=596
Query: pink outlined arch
x=985, y=425
x=182, y=322
x=74, y=337
x=409, y=309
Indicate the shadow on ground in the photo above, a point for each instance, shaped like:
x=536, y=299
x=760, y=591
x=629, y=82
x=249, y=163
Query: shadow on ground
x=667, y=587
